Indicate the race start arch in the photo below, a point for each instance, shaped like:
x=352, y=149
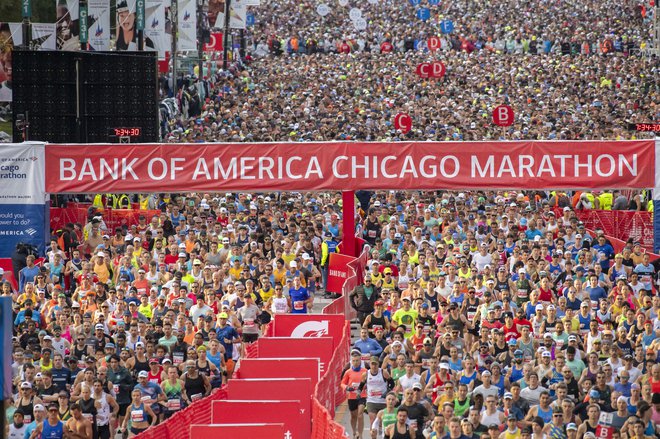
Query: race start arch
x=343, y=166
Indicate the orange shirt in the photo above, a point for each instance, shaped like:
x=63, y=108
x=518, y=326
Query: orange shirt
x=353, y=379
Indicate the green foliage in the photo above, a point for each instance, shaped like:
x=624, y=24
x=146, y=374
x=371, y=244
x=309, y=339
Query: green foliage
x=43, y=11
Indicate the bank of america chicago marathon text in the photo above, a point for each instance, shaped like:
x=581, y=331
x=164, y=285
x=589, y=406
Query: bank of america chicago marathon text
x=351, y=167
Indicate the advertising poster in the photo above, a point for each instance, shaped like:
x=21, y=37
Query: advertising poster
x=187, y=25
x=10, y=35
x=99, y=25
x=68, y=25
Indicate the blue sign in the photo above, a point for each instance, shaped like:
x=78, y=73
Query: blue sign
x=250, y=20
x=446, y=26
x=414, y=2
x=23, y=217
x=434, y=2
x=423, y=14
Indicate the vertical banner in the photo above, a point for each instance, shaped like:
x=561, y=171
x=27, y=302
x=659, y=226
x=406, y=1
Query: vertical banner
x=157, y=27
x=126, y=37
x=187, y=25
x=68, y=25
x=238, y=15
x=98, y=23
x=216, y=13
x=22, y=196
x=338, y=271
x=44, y=36
x=11, y=35
x=5, y=341
x=139, y=14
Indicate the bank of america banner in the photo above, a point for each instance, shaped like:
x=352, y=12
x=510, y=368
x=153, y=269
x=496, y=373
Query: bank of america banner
x=22, y=196
x=44, y=36
x=99, y=24
x=67, y=24
x=156, y=26
x=187, y=25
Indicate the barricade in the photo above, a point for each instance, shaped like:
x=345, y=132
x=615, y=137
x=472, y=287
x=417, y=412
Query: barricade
x=59, y=216
x=620, y=224
x=178, y=426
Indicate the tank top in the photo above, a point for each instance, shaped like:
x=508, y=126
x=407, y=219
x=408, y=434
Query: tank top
x=404, y=281
x=194, y=386
x=471, y=309
x=206, y=370
x=152, y=278
x=376, y=387
x=461, y=408
x=501, y=285
x=214, y=358
x=172, y=390
x=388, y=418
x=28, y=410
x=455, y=323
x=512, y=434
x=52, y=431
x=89, y=411
x=546, y=415
x=140, y=366
x=467, y=379
x=138, y=414
x=103, y=415
x=376, y=323
x=154, y=377
x=397, y=435
x=487, y=419
x=279, y=305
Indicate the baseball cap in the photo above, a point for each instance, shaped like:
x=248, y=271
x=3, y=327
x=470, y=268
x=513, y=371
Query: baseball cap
x=39, y=408
x=571, y=426
x=26, y=385
x=417, y=386
x=508, y=395
x=223, y=315
x=143, y=374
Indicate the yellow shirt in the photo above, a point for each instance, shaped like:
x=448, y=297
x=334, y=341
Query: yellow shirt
x=288, y=257
x=145, y=310
x=465, y=275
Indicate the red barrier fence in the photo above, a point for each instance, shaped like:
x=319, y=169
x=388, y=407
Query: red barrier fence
x=178, y=426
x=621, y=224
x=113, y=218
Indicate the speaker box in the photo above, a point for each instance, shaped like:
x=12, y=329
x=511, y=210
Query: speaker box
x=78, y=97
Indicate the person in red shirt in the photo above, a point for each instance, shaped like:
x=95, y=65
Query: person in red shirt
x=521, y=321
x=510, y=328
x=356, y=399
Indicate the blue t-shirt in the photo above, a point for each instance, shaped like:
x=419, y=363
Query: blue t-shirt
x=596, y=293
x=229, y=333
x=298, y=298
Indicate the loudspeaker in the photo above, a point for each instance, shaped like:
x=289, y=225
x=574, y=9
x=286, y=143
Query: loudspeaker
x=78, y=97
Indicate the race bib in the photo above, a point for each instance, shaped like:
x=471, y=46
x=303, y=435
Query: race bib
x=173, y=404
x=248, y=323
x=115, y=388
x=196, y=397
x=88, y=416
x=298, y=305
x=145, y=398
x=372, y=233
x=27, y=419
x=375, y=393
x=177, y=358
x=137, y=415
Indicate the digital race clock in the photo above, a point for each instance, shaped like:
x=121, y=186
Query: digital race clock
x=645, y=127
x=125, y=132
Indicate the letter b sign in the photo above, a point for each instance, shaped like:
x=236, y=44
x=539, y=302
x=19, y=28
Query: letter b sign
x=503, y=116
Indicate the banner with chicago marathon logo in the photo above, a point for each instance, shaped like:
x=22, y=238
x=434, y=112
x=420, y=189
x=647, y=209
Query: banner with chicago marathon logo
x=22, y=196
x=98, y=18
x=187, y=25
x=158, y=27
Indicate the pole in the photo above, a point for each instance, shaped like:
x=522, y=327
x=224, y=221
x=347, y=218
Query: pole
x=225, y=37
x=200, y=37
x=175, y=29
x=84, y=28
x=348, y=221
x=26, y=12
x=139, y=22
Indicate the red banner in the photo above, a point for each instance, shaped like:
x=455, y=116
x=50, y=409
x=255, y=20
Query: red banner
x=338, y=271
x=233, y=431
x=310, y=325
x=337, y=166
x=280, y=368
x=113, y=218
x=271, y=388
x=289, y=347
x=288, y=413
